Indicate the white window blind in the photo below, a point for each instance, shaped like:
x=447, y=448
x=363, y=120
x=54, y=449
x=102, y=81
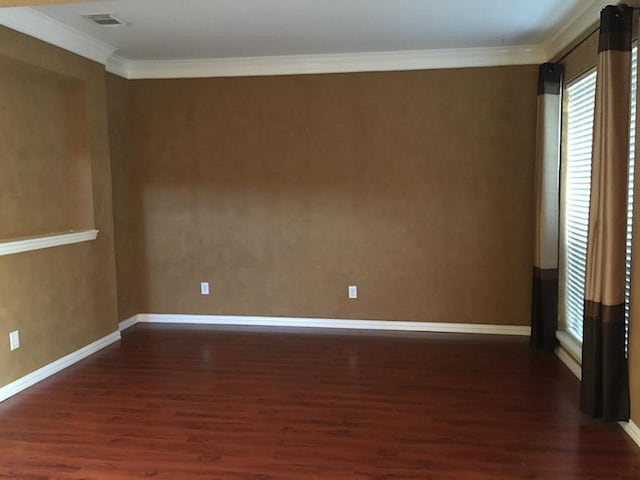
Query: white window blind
x=632, y=157
x=577, y=186
x=580, y=111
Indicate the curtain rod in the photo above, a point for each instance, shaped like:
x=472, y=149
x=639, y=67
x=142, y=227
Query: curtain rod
x=577, y=45
x=635, y=9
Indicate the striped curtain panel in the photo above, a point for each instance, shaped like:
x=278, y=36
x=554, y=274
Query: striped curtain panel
x=605, y=382
x=544, y=311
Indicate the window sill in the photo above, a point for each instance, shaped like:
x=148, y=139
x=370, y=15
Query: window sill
x=570, y=352
x=39, y=242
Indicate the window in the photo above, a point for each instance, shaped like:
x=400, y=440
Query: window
x=580, y=103
x=576, y=186
x=632, y=157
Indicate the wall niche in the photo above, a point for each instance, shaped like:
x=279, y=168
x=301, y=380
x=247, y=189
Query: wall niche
x=45, y=157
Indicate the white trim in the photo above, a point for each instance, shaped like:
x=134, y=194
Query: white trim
x=569, y=361
x=37, y=376
x=571, y=344
x=632, y=430
x=118, y=66
x=329, y=63
x=36, y=24
x=569, y=351
x=129, y=322
x=578, y=21
x=32, y=22
x=327, y=323
x=19, y=245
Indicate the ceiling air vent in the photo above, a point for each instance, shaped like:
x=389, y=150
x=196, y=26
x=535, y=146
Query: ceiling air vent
x=105, y=19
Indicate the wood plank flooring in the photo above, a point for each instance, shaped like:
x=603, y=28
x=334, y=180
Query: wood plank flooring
x=180, y=403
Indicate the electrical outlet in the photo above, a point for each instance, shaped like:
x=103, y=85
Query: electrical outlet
x=204, y=288
x=14, y=340
x=353, y=291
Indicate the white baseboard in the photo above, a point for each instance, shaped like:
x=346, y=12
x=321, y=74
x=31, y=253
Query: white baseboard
x=632, y=430
x=37, y=376
x=570, y=362
x=327, y=323
x=129, y=322
x=566, y=352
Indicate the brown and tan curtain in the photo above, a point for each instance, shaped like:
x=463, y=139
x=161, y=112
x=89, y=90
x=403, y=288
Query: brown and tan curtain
x=544, y=309
x=605, y=383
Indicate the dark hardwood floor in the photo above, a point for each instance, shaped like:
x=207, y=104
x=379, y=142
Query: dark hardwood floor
x=178, y=403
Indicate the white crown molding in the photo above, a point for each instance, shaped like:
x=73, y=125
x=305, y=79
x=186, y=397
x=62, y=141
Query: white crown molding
x=118, y=66
x=35, y=24
x=577, y=23
x=37, y=376
x=38, y=25
x=20, y=245
x=328, y=63
x=327, y=323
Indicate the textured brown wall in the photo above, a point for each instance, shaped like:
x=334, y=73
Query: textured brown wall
x=634, y=329
x=129, y=236
x=34, y=172
x=281, y=191
x=62, y=298
x=582, y=59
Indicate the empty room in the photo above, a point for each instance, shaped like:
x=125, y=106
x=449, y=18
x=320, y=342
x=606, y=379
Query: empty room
x=303, y=239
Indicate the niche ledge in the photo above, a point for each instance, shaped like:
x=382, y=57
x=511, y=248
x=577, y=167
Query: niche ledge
x=39, y=242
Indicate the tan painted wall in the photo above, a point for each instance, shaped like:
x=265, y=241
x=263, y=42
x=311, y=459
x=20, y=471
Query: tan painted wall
x=634, y=329
x=582, y=59
x=129, y=234
x=281, y=191
x=60, y=299
x=57, y=114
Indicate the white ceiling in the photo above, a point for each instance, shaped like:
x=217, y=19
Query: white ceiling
x=223, y=38
x=191, y=29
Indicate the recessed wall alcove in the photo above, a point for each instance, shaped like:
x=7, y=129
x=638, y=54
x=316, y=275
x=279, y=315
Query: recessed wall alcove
x=45, y=158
